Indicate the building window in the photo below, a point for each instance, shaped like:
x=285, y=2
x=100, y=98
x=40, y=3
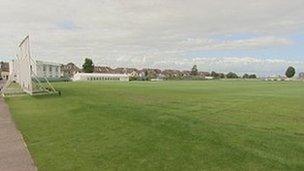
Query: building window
x=50, y=68
x=44, y=68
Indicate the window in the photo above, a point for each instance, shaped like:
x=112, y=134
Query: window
x=44, y=68
x=50, y=68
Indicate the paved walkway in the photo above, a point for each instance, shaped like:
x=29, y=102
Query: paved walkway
x=14, y=155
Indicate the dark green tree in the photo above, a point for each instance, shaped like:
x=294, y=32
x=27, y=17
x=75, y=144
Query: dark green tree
x=253, y=76
x=222, y=75
x=290, y=72
x=88, y=66
x=194, y=70
x=245, y=76
x=215, y=74
x=232, y=75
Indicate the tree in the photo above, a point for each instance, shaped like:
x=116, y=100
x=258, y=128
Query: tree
x=194, y=70
x=253, y=76
x=245, y=76
x=232, y=75
x=146, y=73
x=215, y=74
x=222, y=75
x=290, y=72
x=88, y=66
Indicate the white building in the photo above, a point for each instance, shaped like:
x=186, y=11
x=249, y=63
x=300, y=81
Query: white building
x=40, y=69
x=47, y=69
x=208, y=78
x=100, y=77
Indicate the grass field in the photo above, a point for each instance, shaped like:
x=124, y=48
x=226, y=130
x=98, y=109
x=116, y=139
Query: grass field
x=211, y=125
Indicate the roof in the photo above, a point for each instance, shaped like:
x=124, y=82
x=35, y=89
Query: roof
x=4, y=66
x=101, y=74
x=47, y=63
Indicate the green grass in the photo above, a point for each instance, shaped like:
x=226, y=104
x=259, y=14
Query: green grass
x=210, y=125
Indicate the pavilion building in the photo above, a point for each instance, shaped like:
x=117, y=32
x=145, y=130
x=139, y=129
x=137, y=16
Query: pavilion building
x=100, y=77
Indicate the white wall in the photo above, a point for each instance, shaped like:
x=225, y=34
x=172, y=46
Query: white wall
x=100, y=77
x=47, y=70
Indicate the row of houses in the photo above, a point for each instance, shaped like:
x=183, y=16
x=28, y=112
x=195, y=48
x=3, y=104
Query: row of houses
x=70, y=69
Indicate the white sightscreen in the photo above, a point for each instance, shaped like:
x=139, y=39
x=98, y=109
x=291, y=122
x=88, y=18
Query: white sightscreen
x=24, y=62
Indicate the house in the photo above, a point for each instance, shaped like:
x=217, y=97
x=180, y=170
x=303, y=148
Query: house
x=301, y=76
x=151, y=73
x=4, y=70
x=169, y=73
x=103, y=69
x=69, y=70
x=134, y=74
x=4, y=75
x=186, y=73
x=206, y=74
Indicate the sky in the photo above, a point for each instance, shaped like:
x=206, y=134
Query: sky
x=244, y=36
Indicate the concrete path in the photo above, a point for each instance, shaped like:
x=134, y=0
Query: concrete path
x=14, y=155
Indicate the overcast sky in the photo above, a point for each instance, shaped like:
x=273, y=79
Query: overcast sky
x=255, y=36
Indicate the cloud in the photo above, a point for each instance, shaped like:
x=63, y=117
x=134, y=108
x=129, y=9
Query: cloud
x=243, y=44
x=144, y=32
x=66, y=25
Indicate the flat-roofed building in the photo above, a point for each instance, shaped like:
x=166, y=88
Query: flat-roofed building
x=100, y=77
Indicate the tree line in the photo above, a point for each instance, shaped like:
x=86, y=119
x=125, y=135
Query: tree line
x=230, y=75
x=88, y=67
